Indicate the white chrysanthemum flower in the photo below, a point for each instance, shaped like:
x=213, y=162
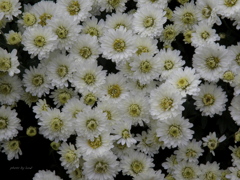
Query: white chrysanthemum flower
x=13, y=38
x=99, y=145
x=155, y=3
x=169, y=34
x=114, y=21
x=112, y=5
x=228, y=8
x=211, y=61
x=186, y=81
x=165, y=102
x=150, y=175
x=170, y=163
x=146, y=45
x=9, y=62
x=185, y=17
x=93, y=27
x=122, y=133
x=235, y=109
x=170, y=61
x=235, y=155
x=90, y=123
x=118, y=45
x=28, y=98
x=55, y=126
x=145, y=68
x=91, y=77
x=36, y=82
x=10, y=89
x=101, y=167
x=9, y=123
x=135, y=108
x=148, y=21
x=66, y=30
x=234, y=173
x=39, y=41
x=77, y=9
x=207, y=10
x=211, y=100
x=175, y=131
x=77, y=174
x=190, y=152
x=40, y=107
x=115, y=88
x=186, y=171
x=211, y=141
x=11, y=148
x=70, y=156
x=62, y=95
x=203, y=34
x=9, y=8
x=135, y=163
x=210, y=171
x=60, y=70
x=46, y=175
x=86, y=48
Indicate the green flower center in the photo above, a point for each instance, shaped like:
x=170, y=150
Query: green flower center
x=145, y=66
x=168, y=64
x=206, y=12
x=5, y=88
x=190, y=153
x=169, y=33
x=43, y=18
x=73, y=8
x=237, y=59
x=212, y=62
x=3, y=122
x=85, y=52
x=210, y=176
x=37, y=80
x=182, y=83
x=78, y=173
x=55, y=145
x=126, y=134
x=228, y=76
x=62, y=71
x=113, y=3
x=230, y=3
x=39, y=41
x=63, y=97
x=134, y=110
x=137, y=167
x=89, y=78
x=13, y=145
x=14, y=38
x=5, y=6
x=208, y=100
x=141, y=49
x=119, y=45
x=114, y=91
x=5, y=64
x=31, y=131
x=205, y=35
x=188, y=173
x=29, y=19
x=90, y=99
x=61, y=32
x=96, y=143
x=92, y=31
x=166, y=104
x=56, y=124
x=175, y=131
x=91, y=124
x=148, y=22
x=212, y=144
x=109, y=114
x=70, y=156
x=188, y=18
x=101, y=167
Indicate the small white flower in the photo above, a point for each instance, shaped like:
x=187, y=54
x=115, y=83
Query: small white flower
x=46, y=174
x=93, y=27
x=116, y=20
x=9, y=8
x=111, y=5
x=11, y=148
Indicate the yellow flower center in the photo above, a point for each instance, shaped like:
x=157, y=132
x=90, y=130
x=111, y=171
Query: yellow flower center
x=56, y=124
x=237, y=59
x=5, y=64
x=14, y=38
x=188, y=18
x=43, y=18
x=62, y=71
x=174, y=131
x=212, y=62
x=70, y=156
x=78, y=173
x=134, y=110
x=61, y=32
x=92, y=31
x=190, y=153
x=210, y=176
x=228, y=76
x=168, y=64
x=230, y=3
x=3, y=122
x=85, y=52
x=13, y=145
x=141, y=49
x=188, y=173
x=140, y=86
x=96, y=143
x=119, y=45
x=39, y=41
x=29, y=19
x=5, y=88
x=101, y=167
x=205, y=35
x=145, y=66
x=89, y=78
x=137, y=167
x=120, y=146
x=187, y=36
x=208, y=99
x=73, y=8
x=37, y=80
x=237, y=152
x=212, y=144
x=148, y=22
x=206, y=12
x=114, y=91
x=109, y=114
x=126, y=134
x=169, y=33
x=5, y=6
x=113, y=3
x=91, y=124
x=238, y=173
x=166, y=104
x=90, y=99
x=182, y=83
x=63, y=97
